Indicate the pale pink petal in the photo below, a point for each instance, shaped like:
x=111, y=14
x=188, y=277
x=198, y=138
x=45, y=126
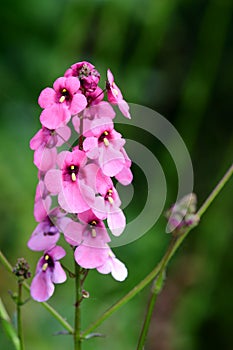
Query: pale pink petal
x=110, y=77
x=53, y=181
x=38, y=241
x=111, y=160
x=103, y=183
x=90, y=145
x=47, y=97
x=99, y=208
x=73, y=233
x=37, y=140
x=106, y=267
x=41, y=208
x=45, y=158
x=55, y=116
x=116, y=221
x=78, y=103
x=76, y=123
x=124, y=108
x=73, y=200
x=119, y=271
x=90, y=257
x=42, y=287
x=125, y=176
x=58, y=275
x=63, y=134
x=57, y=253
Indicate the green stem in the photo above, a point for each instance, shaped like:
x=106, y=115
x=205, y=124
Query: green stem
x=49, y=308
x=77, y=317
x=9, y=329
x=156, y=288
x=161, y=266
x=19, y=319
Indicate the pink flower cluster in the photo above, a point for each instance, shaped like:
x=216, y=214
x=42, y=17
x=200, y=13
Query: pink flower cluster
x=75, y=195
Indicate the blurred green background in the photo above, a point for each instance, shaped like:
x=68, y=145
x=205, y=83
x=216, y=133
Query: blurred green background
x=176, y=57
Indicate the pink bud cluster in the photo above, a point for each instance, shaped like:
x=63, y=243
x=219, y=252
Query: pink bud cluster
x=78, y=180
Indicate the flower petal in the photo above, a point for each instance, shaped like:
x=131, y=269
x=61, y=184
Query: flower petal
x=42, y=287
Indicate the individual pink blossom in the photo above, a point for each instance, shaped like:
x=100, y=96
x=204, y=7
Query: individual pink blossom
x=44, y=144
x=107, y=204
x=115, y=95
x=114, y=266
x=89, y=77
x=46, y=234
x=48, y=272
x=104, y=143
x=61, y=102
x=69, y=182
x=90, y=236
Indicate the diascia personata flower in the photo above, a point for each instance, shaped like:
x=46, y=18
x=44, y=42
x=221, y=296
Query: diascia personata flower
x=48, y=272
x=77, y=152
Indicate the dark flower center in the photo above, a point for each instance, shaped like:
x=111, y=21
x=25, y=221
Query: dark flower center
x=108, y=196
x=70, y=173
x=104, y=137
x=47, y=262
x=64, y=95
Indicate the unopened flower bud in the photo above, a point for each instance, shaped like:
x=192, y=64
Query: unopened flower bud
x=21, y=269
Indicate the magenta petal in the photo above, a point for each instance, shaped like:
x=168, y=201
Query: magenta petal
x=116, y=221
x=59, y=83
x=72, y=84
x=53, y=181
x=90, y=257
x=78, y=103
x=58, y=275
x=72, y=200
x=47, y=97
x=42, y=287
x=55, y=116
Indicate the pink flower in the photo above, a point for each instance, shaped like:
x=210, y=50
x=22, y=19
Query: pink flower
x=115, y=95
x=114, y=266
x=108, y=203
x=46, y=234
x=44, y=144
x=89, y=77
x=69, y=182
x=90, y=237
x=48, y=272
x=104, y=143
x=61, y=102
